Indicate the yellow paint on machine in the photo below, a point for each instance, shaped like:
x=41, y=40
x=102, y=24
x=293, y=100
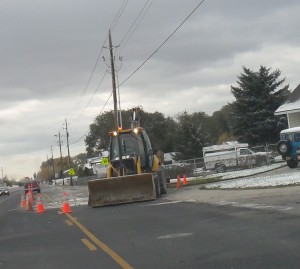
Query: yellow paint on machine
x=100, y=244
x=121, y=189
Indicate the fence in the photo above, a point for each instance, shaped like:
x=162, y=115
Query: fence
x=196, y=167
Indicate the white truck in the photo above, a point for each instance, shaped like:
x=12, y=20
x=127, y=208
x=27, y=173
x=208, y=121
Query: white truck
x=232, y=155
x=95, y=163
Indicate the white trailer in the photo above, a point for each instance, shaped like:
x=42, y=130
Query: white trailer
x=95, y=163
x=232, y=155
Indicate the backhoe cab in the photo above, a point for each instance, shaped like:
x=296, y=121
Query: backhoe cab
x=136, y=152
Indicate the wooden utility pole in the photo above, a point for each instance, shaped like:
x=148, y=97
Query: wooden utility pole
x=69, y=158
x=117, y=120
x=61, y=159
x=53, y=163
x=113, y=76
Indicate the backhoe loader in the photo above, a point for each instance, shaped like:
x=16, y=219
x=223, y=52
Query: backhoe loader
x=134, y=172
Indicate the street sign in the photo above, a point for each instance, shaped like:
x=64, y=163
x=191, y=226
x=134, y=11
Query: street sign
x=104, y=161
x=72, y=172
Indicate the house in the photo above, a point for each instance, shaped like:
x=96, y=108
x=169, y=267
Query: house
x=291, y=108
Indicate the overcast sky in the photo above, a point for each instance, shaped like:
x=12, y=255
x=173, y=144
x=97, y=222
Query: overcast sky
x=52, y=66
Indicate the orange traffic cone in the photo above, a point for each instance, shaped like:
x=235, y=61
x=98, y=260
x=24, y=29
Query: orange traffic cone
x=178, y=186
x=40, y=207
x=185, y=182
x=29, y=203
x=23, y=201
x=66, y=207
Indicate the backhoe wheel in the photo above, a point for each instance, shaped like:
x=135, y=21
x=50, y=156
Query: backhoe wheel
x=157, y=185
x=163, y=180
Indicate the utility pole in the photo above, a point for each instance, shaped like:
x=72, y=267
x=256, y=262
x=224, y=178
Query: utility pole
x=115, y=102
x=69, y=158
x=53, y=163
x=113, y=82
x=61, y=159
x=49, y=174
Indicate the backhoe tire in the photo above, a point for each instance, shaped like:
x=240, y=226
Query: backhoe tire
x=157, y=185
x=163, y=180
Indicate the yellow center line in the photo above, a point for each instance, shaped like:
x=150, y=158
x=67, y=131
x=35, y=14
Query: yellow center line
x=68, y=222
x=88, y=244
x=103, y=246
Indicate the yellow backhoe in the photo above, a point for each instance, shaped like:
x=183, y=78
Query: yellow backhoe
x=134, y=172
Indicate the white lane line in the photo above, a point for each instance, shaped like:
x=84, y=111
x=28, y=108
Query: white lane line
x=255, y=206
x=169, y=236
x=164, y=203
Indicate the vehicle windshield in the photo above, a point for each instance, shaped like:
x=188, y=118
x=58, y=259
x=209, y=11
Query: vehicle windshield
x=295, y=137
x=130, y=145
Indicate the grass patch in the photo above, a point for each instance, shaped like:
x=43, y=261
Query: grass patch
x=198, y=181
x=251, y=188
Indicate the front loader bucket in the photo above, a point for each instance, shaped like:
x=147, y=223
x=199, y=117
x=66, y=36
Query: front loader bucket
x=123, y=189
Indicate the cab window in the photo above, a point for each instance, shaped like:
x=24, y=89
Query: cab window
x=297, y=137
x=244, y=152
x=287, y=137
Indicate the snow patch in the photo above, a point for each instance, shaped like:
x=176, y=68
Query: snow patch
x=257, y=182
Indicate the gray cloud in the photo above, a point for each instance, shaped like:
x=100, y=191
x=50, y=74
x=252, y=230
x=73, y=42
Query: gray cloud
x=48, y=50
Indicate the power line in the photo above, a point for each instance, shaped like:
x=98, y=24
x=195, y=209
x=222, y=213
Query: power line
x=190, y=14
x=113, y=25
x=176, y=29
x=119, y=14
x=76, y=107
x=121, y=10
x=135, y=22
x=95, y=91
x=94, y=120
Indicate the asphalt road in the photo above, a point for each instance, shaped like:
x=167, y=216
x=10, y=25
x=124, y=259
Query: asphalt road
x=189, y=228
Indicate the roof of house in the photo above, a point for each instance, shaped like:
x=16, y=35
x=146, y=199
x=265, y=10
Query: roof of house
x=291, y=104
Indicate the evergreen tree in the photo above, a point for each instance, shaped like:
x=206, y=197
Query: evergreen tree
x=257, y=97
x=191, y=135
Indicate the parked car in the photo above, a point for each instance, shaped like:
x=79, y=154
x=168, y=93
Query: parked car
x=34, y=185
x=4, y=190
x=289, y=145
x=232, y=154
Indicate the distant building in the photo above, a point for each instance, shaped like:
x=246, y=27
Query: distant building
x=169, y=157
x=291, y=108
